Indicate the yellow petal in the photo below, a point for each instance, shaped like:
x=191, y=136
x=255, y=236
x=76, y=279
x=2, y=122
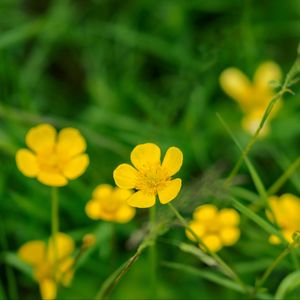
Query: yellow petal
x=141, y=200
x=125, y=214
x=229, y=235
x=251, y=122
x=121, y=195
x=170, y=191
x=52, y=179
x=229, y=217
x=198, y=228
x=93, y=209
x=125, y=176
x=212, y=242
x=236, y=85
x=172, y=161
x=205, y=212
x=76, y=166
x=145, y=155
x=274, y=239
x=41, y=138
x=65, y=271
x=27, y=163
x=70, y=142
x=265, y=73
x=33, y=252
x=61, y=248
x=288, y=234
x=48, y=289
x=102, y=191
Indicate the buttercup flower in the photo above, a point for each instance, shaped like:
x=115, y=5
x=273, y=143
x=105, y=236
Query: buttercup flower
x=149, y=177
x=51, y=265
x=253, y=97
x=53, y=158
x=286, y=210
x=110, y=204
x=215, y=228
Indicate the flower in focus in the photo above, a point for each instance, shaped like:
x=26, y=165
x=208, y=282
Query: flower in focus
x=149, y=177
x=52, y=264
x=253, y=97
x=53, y=158
x=110, y=204
x=286, y=210
x=216, y=228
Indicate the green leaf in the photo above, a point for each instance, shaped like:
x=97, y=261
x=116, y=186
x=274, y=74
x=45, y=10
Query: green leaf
x=288, y=284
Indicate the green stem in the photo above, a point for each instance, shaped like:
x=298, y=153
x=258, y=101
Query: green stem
x=54, y=223
x=226, y=269
x=270, y=269
x=153, y=254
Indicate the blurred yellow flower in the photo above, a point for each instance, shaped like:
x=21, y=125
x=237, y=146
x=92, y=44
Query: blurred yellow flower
x=149, y=177
x=53, y=158
x=286, y=210
x=253, y=97
x=51, y=265
x=216, y=228
x=110, y=204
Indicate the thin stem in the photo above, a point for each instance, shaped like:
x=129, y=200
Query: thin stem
x=153, y=254
x=54, y=223
x=270, y=269
x=226, y=269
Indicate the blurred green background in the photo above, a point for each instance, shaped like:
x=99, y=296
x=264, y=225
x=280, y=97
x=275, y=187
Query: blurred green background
x=128, y=72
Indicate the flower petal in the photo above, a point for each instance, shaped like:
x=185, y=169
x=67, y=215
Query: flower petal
x=173, y=160
x=70, y=142
x=76, y=166
x=52, y=179
x=141, y=200
x=205, y=212
x=198, y=228
x=251, y=122
x=27, y=163
x=145, y=155
x=229, y=217
x=33, y=252
x=48, y=289
x=170, y=191
x=236, y=85
x=229, y=235
x=93, y=209
x=41, y=138
x=212, y=242
x=265, y=73
x=64, y=247
x=125, y=176
x=125, y=214
x=102, y=191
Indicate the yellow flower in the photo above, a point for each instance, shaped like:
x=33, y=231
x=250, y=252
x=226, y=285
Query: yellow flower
x=53, y=158
x=253, y=97
x=286, y=210
x=51, y=265
x=110, y=204
x=215, y=228
x=149, y=177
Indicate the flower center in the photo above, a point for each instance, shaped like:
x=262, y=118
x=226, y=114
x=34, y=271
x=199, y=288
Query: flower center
x=151, y=179
x=50, y=161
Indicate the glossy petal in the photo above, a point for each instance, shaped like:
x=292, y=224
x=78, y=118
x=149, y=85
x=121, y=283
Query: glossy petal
x=212, y=242
x=251, y=122
x=48, y=289
x=102, y=191
x=27, y=163
x=70, y=142
x=76, y=166
x=145, y=156
x=41, y=138
x=33, y=252
x=64, y=247
x=170, y=191
x=172, y=161
x=229, y=235
x=125, y=214
x=121, y=195
x=52, y=179
x=125, y=176
x=93, y=209
x=236, y=84
x=198, y=228
x=205, y=212
x=229, y=217
x=141, y=200
x=265, y=73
